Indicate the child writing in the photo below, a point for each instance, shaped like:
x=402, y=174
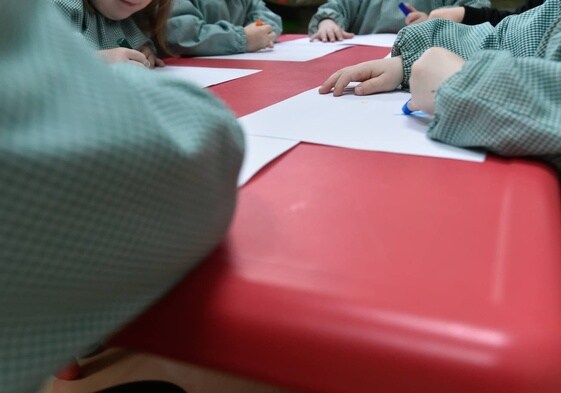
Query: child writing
x=341, y=19
x=221, y=27
x=474, y=16
x=489, y=87
x=108, y=25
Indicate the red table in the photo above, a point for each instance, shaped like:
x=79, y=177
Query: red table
x=357, y=271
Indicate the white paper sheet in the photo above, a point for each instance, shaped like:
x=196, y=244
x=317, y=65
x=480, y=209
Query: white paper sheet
x=385, y=40
x=360, y=122
x=296, y=50
x=259, y=151
x=205, y=76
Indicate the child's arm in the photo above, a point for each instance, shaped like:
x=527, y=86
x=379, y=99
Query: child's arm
x=258, y=11
x=520, y=35
x=504, y=99
x=329, y=31
x=339, y=11
x=188, y=33
x=115, y=183
x=508, y=105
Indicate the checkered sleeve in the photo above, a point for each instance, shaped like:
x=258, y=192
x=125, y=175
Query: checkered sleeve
x=507, y=105
x=520, y=35
x=341, y=12
x=115, y=182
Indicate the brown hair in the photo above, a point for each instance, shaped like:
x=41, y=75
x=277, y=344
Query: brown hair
x=152, y=20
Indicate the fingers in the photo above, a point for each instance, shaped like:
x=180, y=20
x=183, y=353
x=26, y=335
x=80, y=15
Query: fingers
x=346, y=35
x=138, y=57
x=415, y=17
x=314, y=36
x=151, y=60
x=160, y=63
x=410, y=7
x=341, y=79
x=376, y=84
x=328, y=85
x=376, y=76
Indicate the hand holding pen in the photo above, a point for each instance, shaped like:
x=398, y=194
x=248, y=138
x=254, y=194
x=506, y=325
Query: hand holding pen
x=432, y=69
x=412, y=16
x=124, y=54
x=259, y=35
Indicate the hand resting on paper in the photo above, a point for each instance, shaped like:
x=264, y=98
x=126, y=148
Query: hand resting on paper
x=432, y=69
x=329, y=31
x=376, y=76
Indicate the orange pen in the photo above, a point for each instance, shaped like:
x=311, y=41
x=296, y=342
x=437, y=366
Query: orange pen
x=259, y=22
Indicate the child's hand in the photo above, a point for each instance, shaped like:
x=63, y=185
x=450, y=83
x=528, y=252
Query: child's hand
x=330, y=31
x=147, y=51
x=455, y=14
x=118, y=55
x=414, y=16
x=376, y=76
x=259, y=37
x=433, y=68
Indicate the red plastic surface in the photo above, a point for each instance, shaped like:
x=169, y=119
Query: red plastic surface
x=356, y=271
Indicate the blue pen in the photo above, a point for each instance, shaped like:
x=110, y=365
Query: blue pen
x=405, y=108
x=404, y=8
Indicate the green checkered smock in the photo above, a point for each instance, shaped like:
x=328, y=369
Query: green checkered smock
x=101, y=32
x=215, y=27
x=114, y=182
x=507, y=97
x=377, y=16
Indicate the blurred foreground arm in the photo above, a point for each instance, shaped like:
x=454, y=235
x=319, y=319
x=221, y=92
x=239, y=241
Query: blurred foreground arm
x=115, y=182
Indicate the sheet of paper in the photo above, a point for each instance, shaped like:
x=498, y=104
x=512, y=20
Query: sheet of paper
x=296, y=50
x=259, y=151
x=385, y=40
x=360, y=122
x=205, y=76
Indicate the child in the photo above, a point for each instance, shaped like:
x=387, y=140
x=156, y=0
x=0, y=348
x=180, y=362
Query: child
x=495, y=88
x=104, y=22
x=474, y=16
x=340, y=19
x=116, y=182
x=221, y=27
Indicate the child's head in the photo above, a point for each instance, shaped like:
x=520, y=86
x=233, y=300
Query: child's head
x=118, y=9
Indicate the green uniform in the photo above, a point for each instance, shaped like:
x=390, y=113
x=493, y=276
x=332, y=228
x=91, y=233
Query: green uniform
x=506, y=98
x=101, y=32
x=115, y=182
x=377, y=16
x=215, y=27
